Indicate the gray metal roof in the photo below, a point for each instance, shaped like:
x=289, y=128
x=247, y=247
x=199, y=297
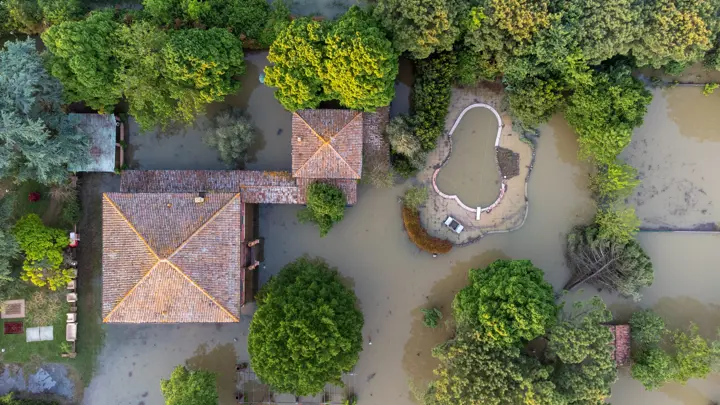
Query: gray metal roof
x=102, y=132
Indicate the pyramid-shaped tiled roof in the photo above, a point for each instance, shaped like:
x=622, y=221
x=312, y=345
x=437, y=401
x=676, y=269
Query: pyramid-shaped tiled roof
x=168, y=258
x=327, y=144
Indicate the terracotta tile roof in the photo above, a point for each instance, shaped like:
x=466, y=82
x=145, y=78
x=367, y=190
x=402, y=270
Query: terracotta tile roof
x=255, y=187
x=376, y=149
x=169, y=259
x=621, y=344
x=327, y=144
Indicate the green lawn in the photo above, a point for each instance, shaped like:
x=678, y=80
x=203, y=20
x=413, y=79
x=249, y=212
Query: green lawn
x=23, y=206
x=17, y=350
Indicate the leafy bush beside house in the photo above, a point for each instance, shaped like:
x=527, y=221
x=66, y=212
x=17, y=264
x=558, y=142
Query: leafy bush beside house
x=307, y=330
x=325, y=206
x=42, y=247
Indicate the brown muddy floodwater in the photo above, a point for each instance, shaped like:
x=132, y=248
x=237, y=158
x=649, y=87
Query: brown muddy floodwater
x=393, y=280
x=472, y=171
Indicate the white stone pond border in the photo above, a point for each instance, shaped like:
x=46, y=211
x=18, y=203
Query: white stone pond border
x=477, y=210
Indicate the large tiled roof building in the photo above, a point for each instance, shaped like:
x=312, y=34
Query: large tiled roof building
x=173, y=258
x=178, y=244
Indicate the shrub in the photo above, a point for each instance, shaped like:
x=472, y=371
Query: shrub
x=415, y=197
x=419, y=236
x=307, y=330
x=187, y=387
x=325, y=206
x=431, y=317
x=403, y=166
x=431, y=97
x=43, y=250
x=710, y=88
x=231, y=134
x=613, y=182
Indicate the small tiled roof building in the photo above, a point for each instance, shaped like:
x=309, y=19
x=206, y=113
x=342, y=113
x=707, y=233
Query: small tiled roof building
x=173, y=257
x=327, y=144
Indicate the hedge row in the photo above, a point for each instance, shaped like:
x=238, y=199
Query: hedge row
x=419, y=236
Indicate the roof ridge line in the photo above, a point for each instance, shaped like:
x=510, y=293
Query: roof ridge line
x=132, y=227
x=359, y=114
x=202, y=290
x=344, y=161
x=143, y=278
x=209, y=220
x=318, y=149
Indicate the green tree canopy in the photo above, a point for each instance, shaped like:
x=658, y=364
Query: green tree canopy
x=202, y=66
x=141, y=74
x=622, y=267
x=582, y=343
x=613, y=182
x=248, y=19
x=507, y=303
x=653, y=368
x=420, y=27
x=662, y=356
x=605, y=113
x=471, y=372
x=297, y=57
x=497, y=29
x=647, y=328
x=535, y=100
x=431, y=96
x=37, y=140
x=360, y=63
x=350, y=60
x=306, y=331
x=187, y=387
x=604, y=29
x=325, y=206
x=576, y=367
x=82, y=57
x=232, y=134
x=678, y=31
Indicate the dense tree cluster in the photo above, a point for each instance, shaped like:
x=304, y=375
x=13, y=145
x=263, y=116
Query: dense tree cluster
x=493, y=358
x=165, y=76
x=349, y=60
x=306, y=331
x=37, y=138
x=663, y=356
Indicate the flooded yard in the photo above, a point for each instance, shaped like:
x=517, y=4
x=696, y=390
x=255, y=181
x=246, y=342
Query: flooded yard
x=472, y=171
x=393, y=280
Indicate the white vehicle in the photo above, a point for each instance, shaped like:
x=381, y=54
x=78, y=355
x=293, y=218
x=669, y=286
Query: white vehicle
x=456, y=226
